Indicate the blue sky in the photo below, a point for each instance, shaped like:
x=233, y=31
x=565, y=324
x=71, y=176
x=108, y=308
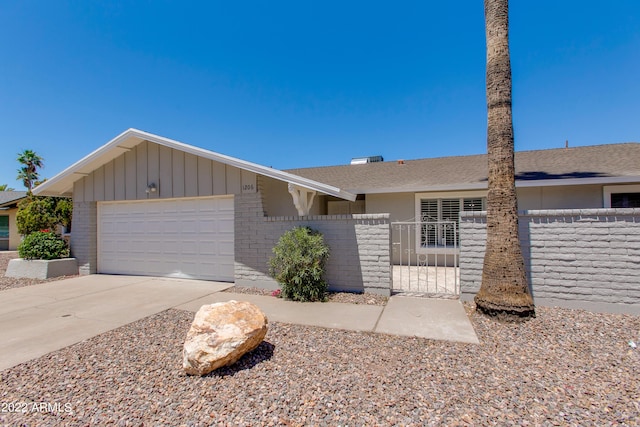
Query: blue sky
x=309, y=83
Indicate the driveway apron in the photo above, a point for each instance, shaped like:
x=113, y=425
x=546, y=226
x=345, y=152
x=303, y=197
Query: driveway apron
x=35, y=320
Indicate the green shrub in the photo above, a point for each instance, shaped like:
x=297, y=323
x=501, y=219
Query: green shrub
x=298, y=264
x=64, y=211
x=43, y=244
x=39, y=213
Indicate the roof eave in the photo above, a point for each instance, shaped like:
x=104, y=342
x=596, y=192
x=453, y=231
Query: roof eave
x=10, y=204
x=62, y=183
x=421, y=188
x=519, y=184
x=579, y=181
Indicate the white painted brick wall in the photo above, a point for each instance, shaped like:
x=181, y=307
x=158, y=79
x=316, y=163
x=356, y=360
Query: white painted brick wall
x=578, y=258
x=359, y=244
x=84, y=238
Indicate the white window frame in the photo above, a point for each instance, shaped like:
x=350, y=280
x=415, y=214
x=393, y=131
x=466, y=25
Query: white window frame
x=439, y=196
x=608, y=190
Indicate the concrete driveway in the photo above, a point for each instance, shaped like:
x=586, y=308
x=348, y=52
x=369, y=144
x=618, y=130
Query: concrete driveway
x=38, y=319
x=35, y=320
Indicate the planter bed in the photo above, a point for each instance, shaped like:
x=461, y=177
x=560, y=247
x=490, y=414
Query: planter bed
x=41, y=269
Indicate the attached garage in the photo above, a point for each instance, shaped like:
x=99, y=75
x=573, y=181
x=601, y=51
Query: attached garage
x=186, y=238
x=148, y=205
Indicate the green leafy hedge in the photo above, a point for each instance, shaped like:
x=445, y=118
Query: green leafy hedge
x=37, y=213
x=43, y=244
x=298, y=264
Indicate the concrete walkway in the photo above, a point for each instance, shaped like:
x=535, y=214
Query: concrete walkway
x=35, y=320
x=438, y=319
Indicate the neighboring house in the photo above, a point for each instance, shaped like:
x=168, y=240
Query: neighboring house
x=9, y=237
x=148, y=205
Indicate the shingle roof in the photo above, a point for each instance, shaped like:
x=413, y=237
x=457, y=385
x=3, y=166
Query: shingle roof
x=8, y=197
x=599, y=163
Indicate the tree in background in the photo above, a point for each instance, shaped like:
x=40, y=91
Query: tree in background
x=28, y=173
x=5, y=187
x=37, y=213
x=504, y=290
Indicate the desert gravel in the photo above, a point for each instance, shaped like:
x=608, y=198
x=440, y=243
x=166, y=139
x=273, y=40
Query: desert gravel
x=565, y=367
x=343, y=297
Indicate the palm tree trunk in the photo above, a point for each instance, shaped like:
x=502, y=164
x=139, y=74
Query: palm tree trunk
x=504, y=290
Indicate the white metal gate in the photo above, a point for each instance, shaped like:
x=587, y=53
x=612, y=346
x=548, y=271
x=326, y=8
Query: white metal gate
x=424, y=258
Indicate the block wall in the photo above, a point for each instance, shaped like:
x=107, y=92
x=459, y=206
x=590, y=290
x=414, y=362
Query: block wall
x=84, y=238
x=587, y=258
x=359, y=244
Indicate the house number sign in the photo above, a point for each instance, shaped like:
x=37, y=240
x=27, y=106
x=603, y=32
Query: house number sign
x=249, y=183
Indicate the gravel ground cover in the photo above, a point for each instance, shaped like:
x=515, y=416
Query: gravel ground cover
x=344, y=297
x=566, y=367
x=11, y=282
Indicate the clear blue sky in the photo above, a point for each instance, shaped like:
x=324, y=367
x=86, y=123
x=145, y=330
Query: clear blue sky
x=309, y=83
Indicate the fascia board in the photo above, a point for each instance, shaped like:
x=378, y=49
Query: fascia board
x=63, y=182
x=484, y=185
x=252, y=167
x=7, y=205
x=421, y=188
x=578, y=181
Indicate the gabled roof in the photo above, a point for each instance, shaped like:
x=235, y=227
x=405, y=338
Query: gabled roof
x=600, y=164
x=62, y=183
x=8, y=198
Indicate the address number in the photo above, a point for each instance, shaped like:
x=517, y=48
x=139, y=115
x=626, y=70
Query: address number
x=248, y=187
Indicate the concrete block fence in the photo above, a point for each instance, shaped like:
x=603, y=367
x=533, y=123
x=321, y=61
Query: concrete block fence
x=587, y=259
x=359, y=244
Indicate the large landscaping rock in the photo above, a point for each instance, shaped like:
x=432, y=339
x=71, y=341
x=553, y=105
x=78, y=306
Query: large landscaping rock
x=221, y=334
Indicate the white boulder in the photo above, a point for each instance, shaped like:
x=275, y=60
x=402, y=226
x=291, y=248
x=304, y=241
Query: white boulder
x=221, y=334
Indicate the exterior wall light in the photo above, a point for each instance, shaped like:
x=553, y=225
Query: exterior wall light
x=151, y=188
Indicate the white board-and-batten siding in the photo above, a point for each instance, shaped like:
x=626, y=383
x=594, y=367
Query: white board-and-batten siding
x=174, y=172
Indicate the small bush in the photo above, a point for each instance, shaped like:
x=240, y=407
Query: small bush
x=298, y=264
x=43, y=244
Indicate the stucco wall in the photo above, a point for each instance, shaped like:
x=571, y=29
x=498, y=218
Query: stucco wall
x=14, y=237
x=277, y=200
x=587, y=258
x=560, y=197
x=399, y=206
x=359, y=246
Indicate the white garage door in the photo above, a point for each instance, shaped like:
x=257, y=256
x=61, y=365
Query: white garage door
x=187, y=238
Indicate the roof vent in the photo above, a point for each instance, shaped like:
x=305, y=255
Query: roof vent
x=363, y=160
